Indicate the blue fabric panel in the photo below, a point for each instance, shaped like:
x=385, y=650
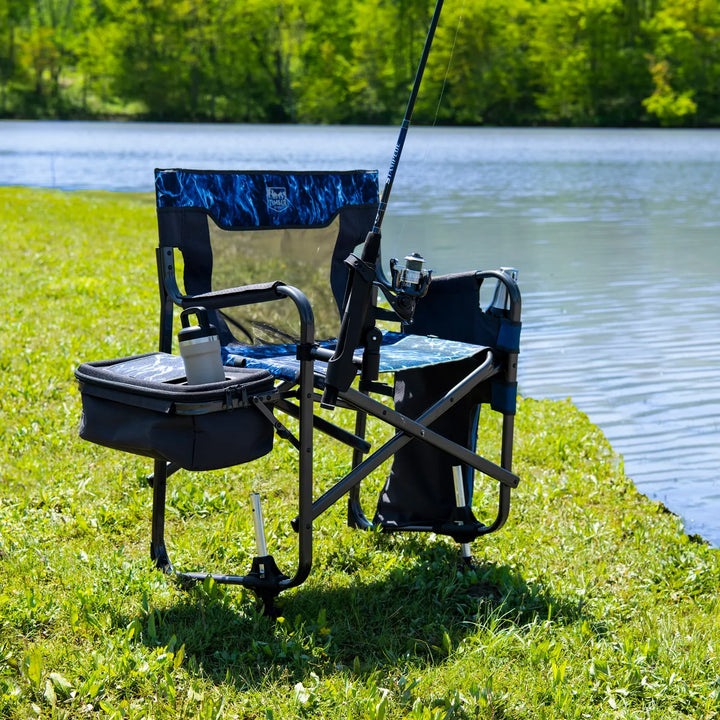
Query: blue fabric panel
x=402, y=352
x=399, y=352
x=509, y=337
x=503, y=396
x=279, y=360
x=155, y=367
x=266, y=199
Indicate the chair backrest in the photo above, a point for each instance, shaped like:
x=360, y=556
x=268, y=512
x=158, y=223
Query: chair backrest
x=241, y=228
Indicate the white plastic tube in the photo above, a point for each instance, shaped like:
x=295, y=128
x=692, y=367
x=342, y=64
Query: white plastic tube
x=460, y=502
x=259, y=524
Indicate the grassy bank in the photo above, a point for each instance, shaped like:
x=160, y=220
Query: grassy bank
x=590, y=603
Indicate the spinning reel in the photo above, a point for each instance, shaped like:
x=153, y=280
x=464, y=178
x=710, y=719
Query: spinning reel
x=410, y=282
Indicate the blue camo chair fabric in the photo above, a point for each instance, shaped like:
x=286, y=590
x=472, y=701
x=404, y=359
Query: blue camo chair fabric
x=271, y=257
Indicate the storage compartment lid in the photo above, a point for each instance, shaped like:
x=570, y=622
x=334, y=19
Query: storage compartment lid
x=157, y=381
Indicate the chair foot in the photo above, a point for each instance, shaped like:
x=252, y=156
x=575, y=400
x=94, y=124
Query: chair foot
x=356, y=518
x=159, y=555
x=466, y=562
x=463, y=533
x=266, y=606
x=264, y=580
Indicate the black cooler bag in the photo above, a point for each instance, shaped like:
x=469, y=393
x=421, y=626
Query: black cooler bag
x=143, y=405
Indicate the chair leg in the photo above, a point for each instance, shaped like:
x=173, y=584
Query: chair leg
x=264, y=578
x=356, y=517
x=508, y=430
x=506, y=451
x=462, y=503
x=158, y=552
x=303, y=522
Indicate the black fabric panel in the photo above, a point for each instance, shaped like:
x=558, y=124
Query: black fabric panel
x=197, y=252
x=420, y=489
x=420, y=486
x=195, y=442
x=138, y=416
x=355, y=223
x=451, y=310
x=187, y=229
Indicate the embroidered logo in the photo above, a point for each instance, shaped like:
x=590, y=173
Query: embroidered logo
x=277, y=199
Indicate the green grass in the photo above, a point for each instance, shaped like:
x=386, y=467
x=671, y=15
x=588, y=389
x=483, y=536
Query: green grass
x=590, y=603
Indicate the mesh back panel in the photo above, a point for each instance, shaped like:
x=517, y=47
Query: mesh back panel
x=298, y=256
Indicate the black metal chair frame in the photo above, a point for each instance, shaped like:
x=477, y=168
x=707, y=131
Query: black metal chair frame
x=298, y=400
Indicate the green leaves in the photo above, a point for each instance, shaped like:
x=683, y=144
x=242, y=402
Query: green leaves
x=516, y=62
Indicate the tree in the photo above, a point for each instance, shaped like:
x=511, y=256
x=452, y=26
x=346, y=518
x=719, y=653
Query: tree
x=509, y=62
x=587, y=67
x=12, y=70
x=685, y=62
x=319, y=46
x=478, y=71
x=202, y=59
x=386, y=48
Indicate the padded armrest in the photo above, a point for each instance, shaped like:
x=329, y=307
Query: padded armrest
x=234, y=297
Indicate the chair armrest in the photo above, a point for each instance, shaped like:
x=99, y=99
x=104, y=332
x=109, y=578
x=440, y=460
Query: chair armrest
x=255, y=294
x=231, y=297
x=234, y=297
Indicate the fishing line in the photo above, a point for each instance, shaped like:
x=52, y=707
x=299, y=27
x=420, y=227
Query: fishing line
x=449, y=63
x=402, y=229
x=372, y=243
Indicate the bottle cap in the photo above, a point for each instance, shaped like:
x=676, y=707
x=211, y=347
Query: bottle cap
x=196, y=332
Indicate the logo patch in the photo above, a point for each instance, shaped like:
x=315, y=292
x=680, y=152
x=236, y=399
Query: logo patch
x=277, y=199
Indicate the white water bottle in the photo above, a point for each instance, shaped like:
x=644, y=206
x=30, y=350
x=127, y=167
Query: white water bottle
x=200, y=349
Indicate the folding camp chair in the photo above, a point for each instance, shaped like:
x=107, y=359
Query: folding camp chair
x=283, y=356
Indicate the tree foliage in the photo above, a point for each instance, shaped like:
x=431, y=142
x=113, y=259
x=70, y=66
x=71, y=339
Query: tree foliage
x=510, y=62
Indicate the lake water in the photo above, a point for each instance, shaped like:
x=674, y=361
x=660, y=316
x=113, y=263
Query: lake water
x=615, y=234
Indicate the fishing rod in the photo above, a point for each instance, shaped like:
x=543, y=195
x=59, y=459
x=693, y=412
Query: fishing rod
x=358, y=324
x=372, y=243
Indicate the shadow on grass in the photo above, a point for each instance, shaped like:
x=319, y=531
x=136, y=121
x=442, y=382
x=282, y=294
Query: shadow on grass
x=413, y=615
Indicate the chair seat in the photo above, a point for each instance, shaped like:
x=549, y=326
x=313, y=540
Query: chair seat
x=399, y=352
